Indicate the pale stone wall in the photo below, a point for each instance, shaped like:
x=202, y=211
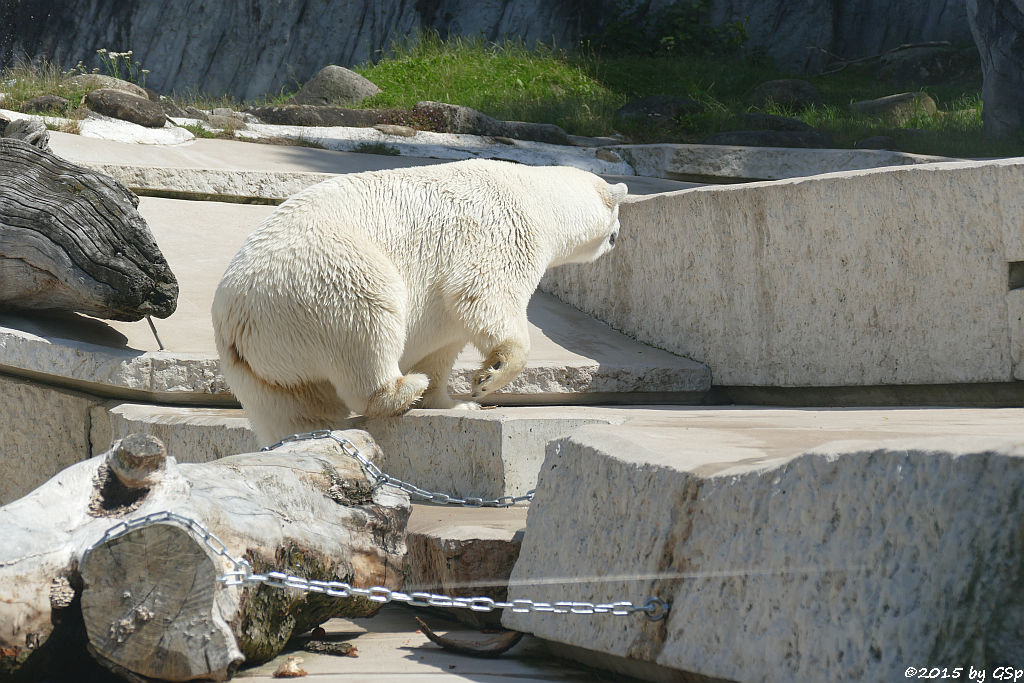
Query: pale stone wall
x=891, y=276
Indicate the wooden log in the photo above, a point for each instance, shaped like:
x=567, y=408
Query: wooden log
x=73, y=240
x=148, y=598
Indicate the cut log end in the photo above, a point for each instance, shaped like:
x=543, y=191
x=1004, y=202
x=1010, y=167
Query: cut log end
x=149, y=606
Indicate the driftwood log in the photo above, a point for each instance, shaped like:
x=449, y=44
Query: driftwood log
x=73, y=240
x=148, y=601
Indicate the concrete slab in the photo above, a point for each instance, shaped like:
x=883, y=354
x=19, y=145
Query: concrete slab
x=896, y=276
x=463, y=552
x=574, y=358
x=725, y=163
x=391, y=650
x=211, y=168
x=819, y=545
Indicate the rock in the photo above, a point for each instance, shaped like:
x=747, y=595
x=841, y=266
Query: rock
x=171, y=109
x=916, y=66
x=45, y=104
x=194, y=113
x=73, y=240
x=454, y=118
x=464, y=552
x=31, y=131
x=771, y=138
x=997, y=26
x=310, y=115
x=813, y=560
x=876, y=142
x=896, y=110
x=127, y=107
x=228, y=123
x=335, y=86
x=759, y=121
x=399, y=131
x=787, y=92
x=658, y=108
x=99, y=81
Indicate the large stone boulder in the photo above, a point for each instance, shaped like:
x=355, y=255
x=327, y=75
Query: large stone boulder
x=127, y=107
x=45, y=104
x=896, y=110
x=97, y=81
x=998, y=28
x=335, y=86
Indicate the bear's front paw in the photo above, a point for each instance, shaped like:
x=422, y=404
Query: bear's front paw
x=466, y=405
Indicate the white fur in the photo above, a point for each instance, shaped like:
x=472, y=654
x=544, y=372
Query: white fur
x=356, y=291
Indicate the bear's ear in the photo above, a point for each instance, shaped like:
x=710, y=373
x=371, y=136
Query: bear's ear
x=617, y=192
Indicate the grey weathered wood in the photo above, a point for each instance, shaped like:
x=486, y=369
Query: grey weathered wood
x=72, y=239
x=150, y=604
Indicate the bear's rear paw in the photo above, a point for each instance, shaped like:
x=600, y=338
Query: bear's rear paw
x=396, y=397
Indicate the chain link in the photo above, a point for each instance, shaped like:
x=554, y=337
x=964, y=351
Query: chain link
x=242, y=573
x=381, y=478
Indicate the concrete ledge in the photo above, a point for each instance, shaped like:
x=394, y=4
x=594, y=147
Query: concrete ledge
x=893, y=276
x=839, y=561
x=724, y=163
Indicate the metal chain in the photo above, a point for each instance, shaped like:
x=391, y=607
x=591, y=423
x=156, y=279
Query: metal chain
x=381, y=478
x=653, y=608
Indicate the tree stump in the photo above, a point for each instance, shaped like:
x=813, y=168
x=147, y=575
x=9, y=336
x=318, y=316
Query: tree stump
x=148, y=598
x=73, y=240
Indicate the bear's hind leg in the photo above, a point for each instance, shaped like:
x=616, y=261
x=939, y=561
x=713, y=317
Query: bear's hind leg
x=437, y=366
x=276, y=412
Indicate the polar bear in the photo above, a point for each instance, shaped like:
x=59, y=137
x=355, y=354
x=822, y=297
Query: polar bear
x=358, y=293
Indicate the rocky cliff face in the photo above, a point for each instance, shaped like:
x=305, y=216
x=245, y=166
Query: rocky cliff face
x=260, y=46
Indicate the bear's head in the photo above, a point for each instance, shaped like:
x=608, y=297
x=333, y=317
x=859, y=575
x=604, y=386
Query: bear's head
x=603, y=228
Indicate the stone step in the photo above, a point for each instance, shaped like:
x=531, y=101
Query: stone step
x=819, y=545
x=574, y=359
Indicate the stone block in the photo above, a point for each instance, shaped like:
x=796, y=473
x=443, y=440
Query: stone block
x=189, y=434
x=463, y=552
x=784, y=560
x=888, y=277
x=43, y=429
x=483, y=454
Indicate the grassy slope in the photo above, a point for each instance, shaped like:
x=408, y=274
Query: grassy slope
x=581, y=93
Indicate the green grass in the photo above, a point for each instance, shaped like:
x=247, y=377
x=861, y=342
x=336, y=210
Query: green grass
x=23, y=81
x=506, y=81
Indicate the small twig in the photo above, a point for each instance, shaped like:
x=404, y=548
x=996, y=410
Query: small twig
x=157, y=336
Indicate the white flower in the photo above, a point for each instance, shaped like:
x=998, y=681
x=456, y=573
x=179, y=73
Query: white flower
x=101, y=51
